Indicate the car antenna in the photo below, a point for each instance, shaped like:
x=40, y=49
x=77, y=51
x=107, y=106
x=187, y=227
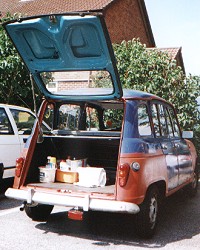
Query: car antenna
x=40, y=138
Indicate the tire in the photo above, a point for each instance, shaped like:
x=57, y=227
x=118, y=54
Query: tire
x=147, y=218
x=40, y=212
x=193, y=186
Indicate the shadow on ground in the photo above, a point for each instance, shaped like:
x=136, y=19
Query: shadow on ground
x=180, y=219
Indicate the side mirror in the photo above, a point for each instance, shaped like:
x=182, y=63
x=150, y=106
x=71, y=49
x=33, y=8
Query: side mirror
x=187, y=134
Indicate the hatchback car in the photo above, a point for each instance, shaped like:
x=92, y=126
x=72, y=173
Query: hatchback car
x=111, y=150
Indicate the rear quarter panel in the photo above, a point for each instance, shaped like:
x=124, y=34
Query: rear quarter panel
x=152, y=169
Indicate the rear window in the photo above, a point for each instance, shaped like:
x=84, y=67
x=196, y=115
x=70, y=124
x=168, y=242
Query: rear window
x=78, y=82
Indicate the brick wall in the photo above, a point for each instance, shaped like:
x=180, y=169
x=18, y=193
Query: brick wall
x=124, y=21
x=125, y=18
x=72, y=85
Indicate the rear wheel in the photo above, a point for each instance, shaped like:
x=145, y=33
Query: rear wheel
x=147, y=218
x=40, y=212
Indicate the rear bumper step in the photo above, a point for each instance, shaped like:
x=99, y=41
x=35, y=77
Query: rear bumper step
x=86, y=202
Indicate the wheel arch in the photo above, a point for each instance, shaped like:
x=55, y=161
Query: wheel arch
x=161, y=186
x=147, y=218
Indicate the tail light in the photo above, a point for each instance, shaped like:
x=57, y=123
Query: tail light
x=19, y=165
x=123, y=174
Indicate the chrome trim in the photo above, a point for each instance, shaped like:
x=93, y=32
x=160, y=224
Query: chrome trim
x=85, y=202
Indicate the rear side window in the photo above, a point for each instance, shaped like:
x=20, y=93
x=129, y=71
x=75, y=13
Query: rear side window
x=164, y=121
x=5, y=126
x=169, y=124
x=159, y=120
x=144, y=127
x=137, y=121
x=155, y=118
x=174, y=123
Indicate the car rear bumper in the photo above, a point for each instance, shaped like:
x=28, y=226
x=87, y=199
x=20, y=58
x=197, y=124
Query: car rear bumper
x=85, y=202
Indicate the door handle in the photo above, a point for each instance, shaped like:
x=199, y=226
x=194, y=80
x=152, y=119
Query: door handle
x=177, y=145
x=163, y=146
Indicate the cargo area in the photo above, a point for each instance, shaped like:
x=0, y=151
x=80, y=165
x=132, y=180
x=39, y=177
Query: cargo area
x=97, y=149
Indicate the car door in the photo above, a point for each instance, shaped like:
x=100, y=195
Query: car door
x=162, y=134
x=182, y=150
x=9, y=140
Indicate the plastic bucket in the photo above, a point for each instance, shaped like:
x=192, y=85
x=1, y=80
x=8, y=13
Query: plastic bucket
x=47, y=174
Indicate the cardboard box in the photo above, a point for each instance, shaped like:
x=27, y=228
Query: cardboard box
x=68, y=177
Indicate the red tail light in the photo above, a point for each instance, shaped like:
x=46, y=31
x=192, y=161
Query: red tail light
x=123, y=174
x=19, y=165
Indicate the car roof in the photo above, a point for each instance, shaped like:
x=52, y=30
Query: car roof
x=136, y=94
x=127, y=93
x=3, y=105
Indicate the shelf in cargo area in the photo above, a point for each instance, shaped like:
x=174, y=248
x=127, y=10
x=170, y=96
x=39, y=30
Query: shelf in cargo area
x=74, y=188
x=88, y=133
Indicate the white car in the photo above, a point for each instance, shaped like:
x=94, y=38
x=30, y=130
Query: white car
x=16, y=124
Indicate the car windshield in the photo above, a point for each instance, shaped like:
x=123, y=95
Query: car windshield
x=78, y=82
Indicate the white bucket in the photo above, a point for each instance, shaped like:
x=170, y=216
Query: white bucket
x=47, y=174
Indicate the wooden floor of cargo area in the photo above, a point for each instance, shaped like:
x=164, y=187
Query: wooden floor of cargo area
x=74, y=188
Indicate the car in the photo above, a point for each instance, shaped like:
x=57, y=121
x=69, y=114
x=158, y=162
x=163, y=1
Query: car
x=111, y=149
x=15, y=126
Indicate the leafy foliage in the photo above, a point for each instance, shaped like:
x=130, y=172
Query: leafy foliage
x=155, y=72
x=15, y=85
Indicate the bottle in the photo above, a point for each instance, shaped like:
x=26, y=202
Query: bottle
x=53, y=162
x=63, y=165
x=48, y=165
x=68, y=161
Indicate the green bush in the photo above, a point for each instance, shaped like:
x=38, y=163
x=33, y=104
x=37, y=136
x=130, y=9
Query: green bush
x=15, y=85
